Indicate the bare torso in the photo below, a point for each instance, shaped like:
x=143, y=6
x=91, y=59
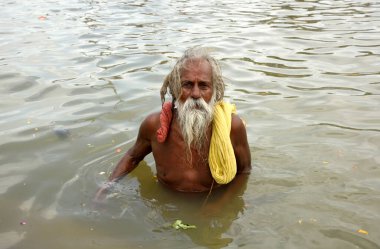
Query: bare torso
x=176, y=168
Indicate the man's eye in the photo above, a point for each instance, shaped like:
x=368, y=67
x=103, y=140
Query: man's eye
x=203, y=86
x=186, y=84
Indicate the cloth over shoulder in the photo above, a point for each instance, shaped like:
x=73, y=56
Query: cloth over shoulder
x=221, y=155
x=165, y=119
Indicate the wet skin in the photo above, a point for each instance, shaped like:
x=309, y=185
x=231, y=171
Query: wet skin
x=175, y=167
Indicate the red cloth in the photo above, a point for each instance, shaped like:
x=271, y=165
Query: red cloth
x=165, y=119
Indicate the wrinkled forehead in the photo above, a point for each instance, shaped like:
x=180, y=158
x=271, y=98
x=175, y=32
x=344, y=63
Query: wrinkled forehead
x=200, y=65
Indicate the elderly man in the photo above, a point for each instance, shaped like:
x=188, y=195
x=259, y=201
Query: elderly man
x=197, y=141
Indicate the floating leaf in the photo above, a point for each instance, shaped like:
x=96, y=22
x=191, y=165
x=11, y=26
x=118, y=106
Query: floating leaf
x=178, y=224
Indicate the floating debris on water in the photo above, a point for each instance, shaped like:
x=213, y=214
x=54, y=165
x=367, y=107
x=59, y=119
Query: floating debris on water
x=178, y=224
x=61, y=133
x=112, y=195
x=362, y=231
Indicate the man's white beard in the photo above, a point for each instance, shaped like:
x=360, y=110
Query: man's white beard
x=195, y=117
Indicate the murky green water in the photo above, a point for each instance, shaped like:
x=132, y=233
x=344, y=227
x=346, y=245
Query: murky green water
x=77, y=77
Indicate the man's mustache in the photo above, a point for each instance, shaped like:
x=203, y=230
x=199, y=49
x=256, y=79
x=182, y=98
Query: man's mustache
x=195, y=103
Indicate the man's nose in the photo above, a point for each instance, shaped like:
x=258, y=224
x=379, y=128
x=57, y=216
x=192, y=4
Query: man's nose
x=195, y=93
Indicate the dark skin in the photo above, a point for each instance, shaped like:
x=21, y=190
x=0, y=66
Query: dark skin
x=176, y=168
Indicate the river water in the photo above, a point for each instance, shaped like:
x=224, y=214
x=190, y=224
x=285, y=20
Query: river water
x=78, y=76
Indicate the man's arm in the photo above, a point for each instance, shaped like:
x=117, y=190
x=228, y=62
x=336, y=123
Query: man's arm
x=134, y=155
x=243, y=158
x=240, y=144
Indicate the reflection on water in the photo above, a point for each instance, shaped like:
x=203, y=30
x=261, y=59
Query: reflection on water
x=78, y=77
x=211, y=218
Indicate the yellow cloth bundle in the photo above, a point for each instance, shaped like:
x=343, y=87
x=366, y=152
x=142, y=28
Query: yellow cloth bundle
x=221, y=155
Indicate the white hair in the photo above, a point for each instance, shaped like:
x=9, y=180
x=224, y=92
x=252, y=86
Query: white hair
x=195, y=117
x=173, y=79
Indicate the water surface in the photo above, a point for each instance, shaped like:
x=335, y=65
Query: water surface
x=77, y=77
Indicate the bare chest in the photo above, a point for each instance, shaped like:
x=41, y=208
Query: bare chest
x=179, y=168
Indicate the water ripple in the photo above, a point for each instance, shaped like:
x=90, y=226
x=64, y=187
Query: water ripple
x=78, y=77
x=348, y=128
x=350, y=237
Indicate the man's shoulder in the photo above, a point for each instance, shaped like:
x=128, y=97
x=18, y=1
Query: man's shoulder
x=237, y=123
x=152, y=119
x=150, y=124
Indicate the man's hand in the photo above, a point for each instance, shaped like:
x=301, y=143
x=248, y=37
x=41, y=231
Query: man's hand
x=101, y=194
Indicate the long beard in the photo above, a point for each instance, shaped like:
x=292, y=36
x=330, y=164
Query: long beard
x=195, y=117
